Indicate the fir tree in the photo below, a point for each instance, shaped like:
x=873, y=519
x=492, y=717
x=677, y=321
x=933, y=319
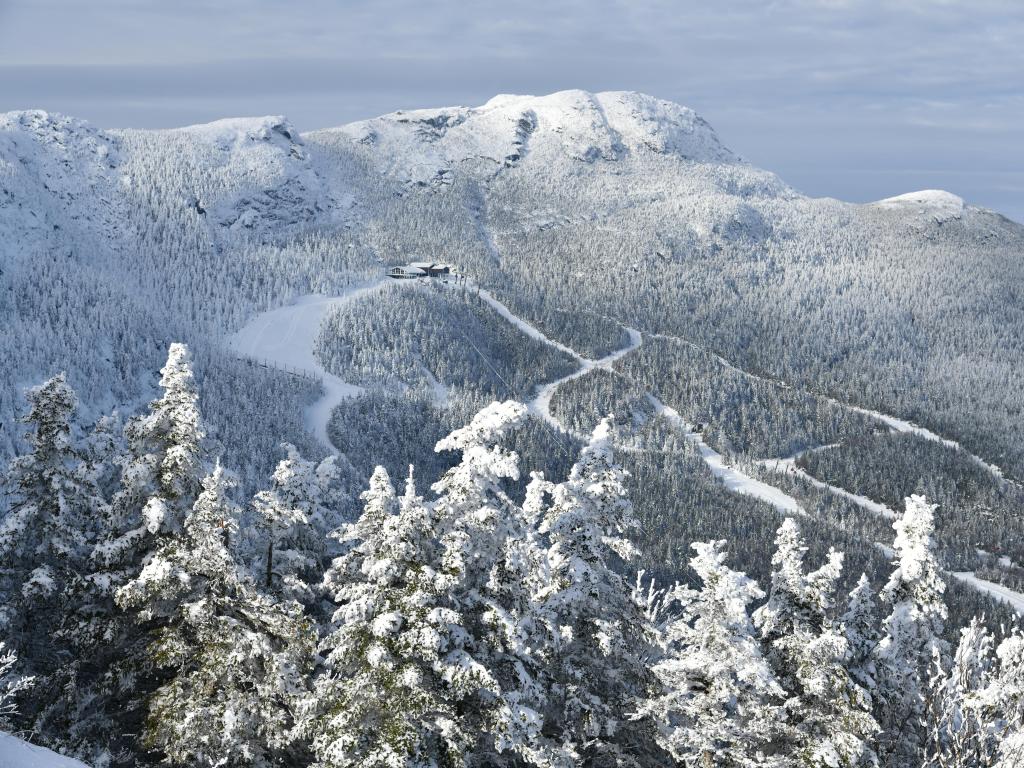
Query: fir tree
x=912, y=632
x=490, y=553
x=394, y=692
x=295, y=518
x=958, y=734
x=718, y=701
x=232, y=662
x=598, y=640
x=860, y=624
x=11, y=687
x=828, y=720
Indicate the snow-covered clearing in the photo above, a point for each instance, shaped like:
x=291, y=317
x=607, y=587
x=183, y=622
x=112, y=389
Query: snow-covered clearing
x=732, y=478
x=284, y=337
x=15, y=753
x=998, y=591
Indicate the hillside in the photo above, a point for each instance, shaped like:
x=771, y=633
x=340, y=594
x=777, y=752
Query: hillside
x=769, y=317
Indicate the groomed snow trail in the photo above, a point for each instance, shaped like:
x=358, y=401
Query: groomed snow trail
x=541, y=404
x=789, y=467
x=731, y=478
x=998, y=591
x=284, y=337
x=894, y=423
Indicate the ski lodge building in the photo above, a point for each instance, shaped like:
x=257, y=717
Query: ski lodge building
x=420, y=269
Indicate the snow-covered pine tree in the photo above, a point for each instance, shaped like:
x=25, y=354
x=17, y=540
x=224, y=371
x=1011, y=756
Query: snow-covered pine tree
x=912, y=633
x=46, y=533
x=828, y=719
x=232, y=663
x=718, y=700
x=160, y=478
x=598, y=641
x=45, y=541
x=295, y=517
x=489, y=550
x=390, y=696
x=1002, y=701
x=860, y=624
x=957, y=731
x=11, y=686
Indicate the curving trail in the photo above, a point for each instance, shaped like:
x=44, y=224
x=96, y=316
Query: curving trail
x=732, y=478
x=285, y=336
x=541, y=403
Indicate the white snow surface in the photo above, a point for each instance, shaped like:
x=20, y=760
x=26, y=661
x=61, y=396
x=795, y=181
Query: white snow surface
x=998, y=591
x=424, y=145
x=15, y=753
x=284, y=337
x=732, y=478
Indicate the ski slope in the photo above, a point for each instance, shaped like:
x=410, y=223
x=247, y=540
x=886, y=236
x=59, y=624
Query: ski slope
x=732, y=478
x=998, y=591
x=284, y=337
x=789, y=467
x=541, y=404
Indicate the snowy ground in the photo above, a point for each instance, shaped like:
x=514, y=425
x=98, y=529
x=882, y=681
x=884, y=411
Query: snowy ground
x=998, y=591
x=732, y=478
x=15, y=753
x=284, y=337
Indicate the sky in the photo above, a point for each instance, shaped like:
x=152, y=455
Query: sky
x=854, y=99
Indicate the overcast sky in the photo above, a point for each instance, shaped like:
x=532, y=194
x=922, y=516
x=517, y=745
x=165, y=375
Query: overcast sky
x=855, y=99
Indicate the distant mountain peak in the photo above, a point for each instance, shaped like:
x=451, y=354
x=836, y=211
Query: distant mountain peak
x=938, y=203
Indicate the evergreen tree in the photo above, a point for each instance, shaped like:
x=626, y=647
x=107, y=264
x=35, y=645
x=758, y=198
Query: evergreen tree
x=52, y=602
x=828, y=720
x=232, y=663
x=958, y=734
x=398, y=678
x=160, y=478
x=598, y=640
x=295, y=518
x=860, y=624
x=11, y=686
x=45, y=535
x=912, y=633
x=1002, y=700
x=717, y=705
x=490, y=552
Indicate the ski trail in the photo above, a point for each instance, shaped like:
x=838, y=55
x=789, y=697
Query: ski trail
x=732, y=478
x=894, y=423
x=285, y=336
x=541, y=403
x=998, y=591
x=789, y=467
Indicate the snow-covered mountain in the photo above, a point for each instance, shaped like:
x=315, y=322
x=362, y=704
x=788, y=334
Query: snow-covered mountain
x=568, y=206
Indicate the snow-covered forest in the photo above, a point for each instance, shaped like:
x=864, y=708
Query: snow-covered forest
x=487, y=618
x=694, y=361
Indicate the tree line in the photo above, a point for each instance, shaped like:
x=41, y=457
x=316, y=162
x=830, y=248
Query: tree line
x=152, y=619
